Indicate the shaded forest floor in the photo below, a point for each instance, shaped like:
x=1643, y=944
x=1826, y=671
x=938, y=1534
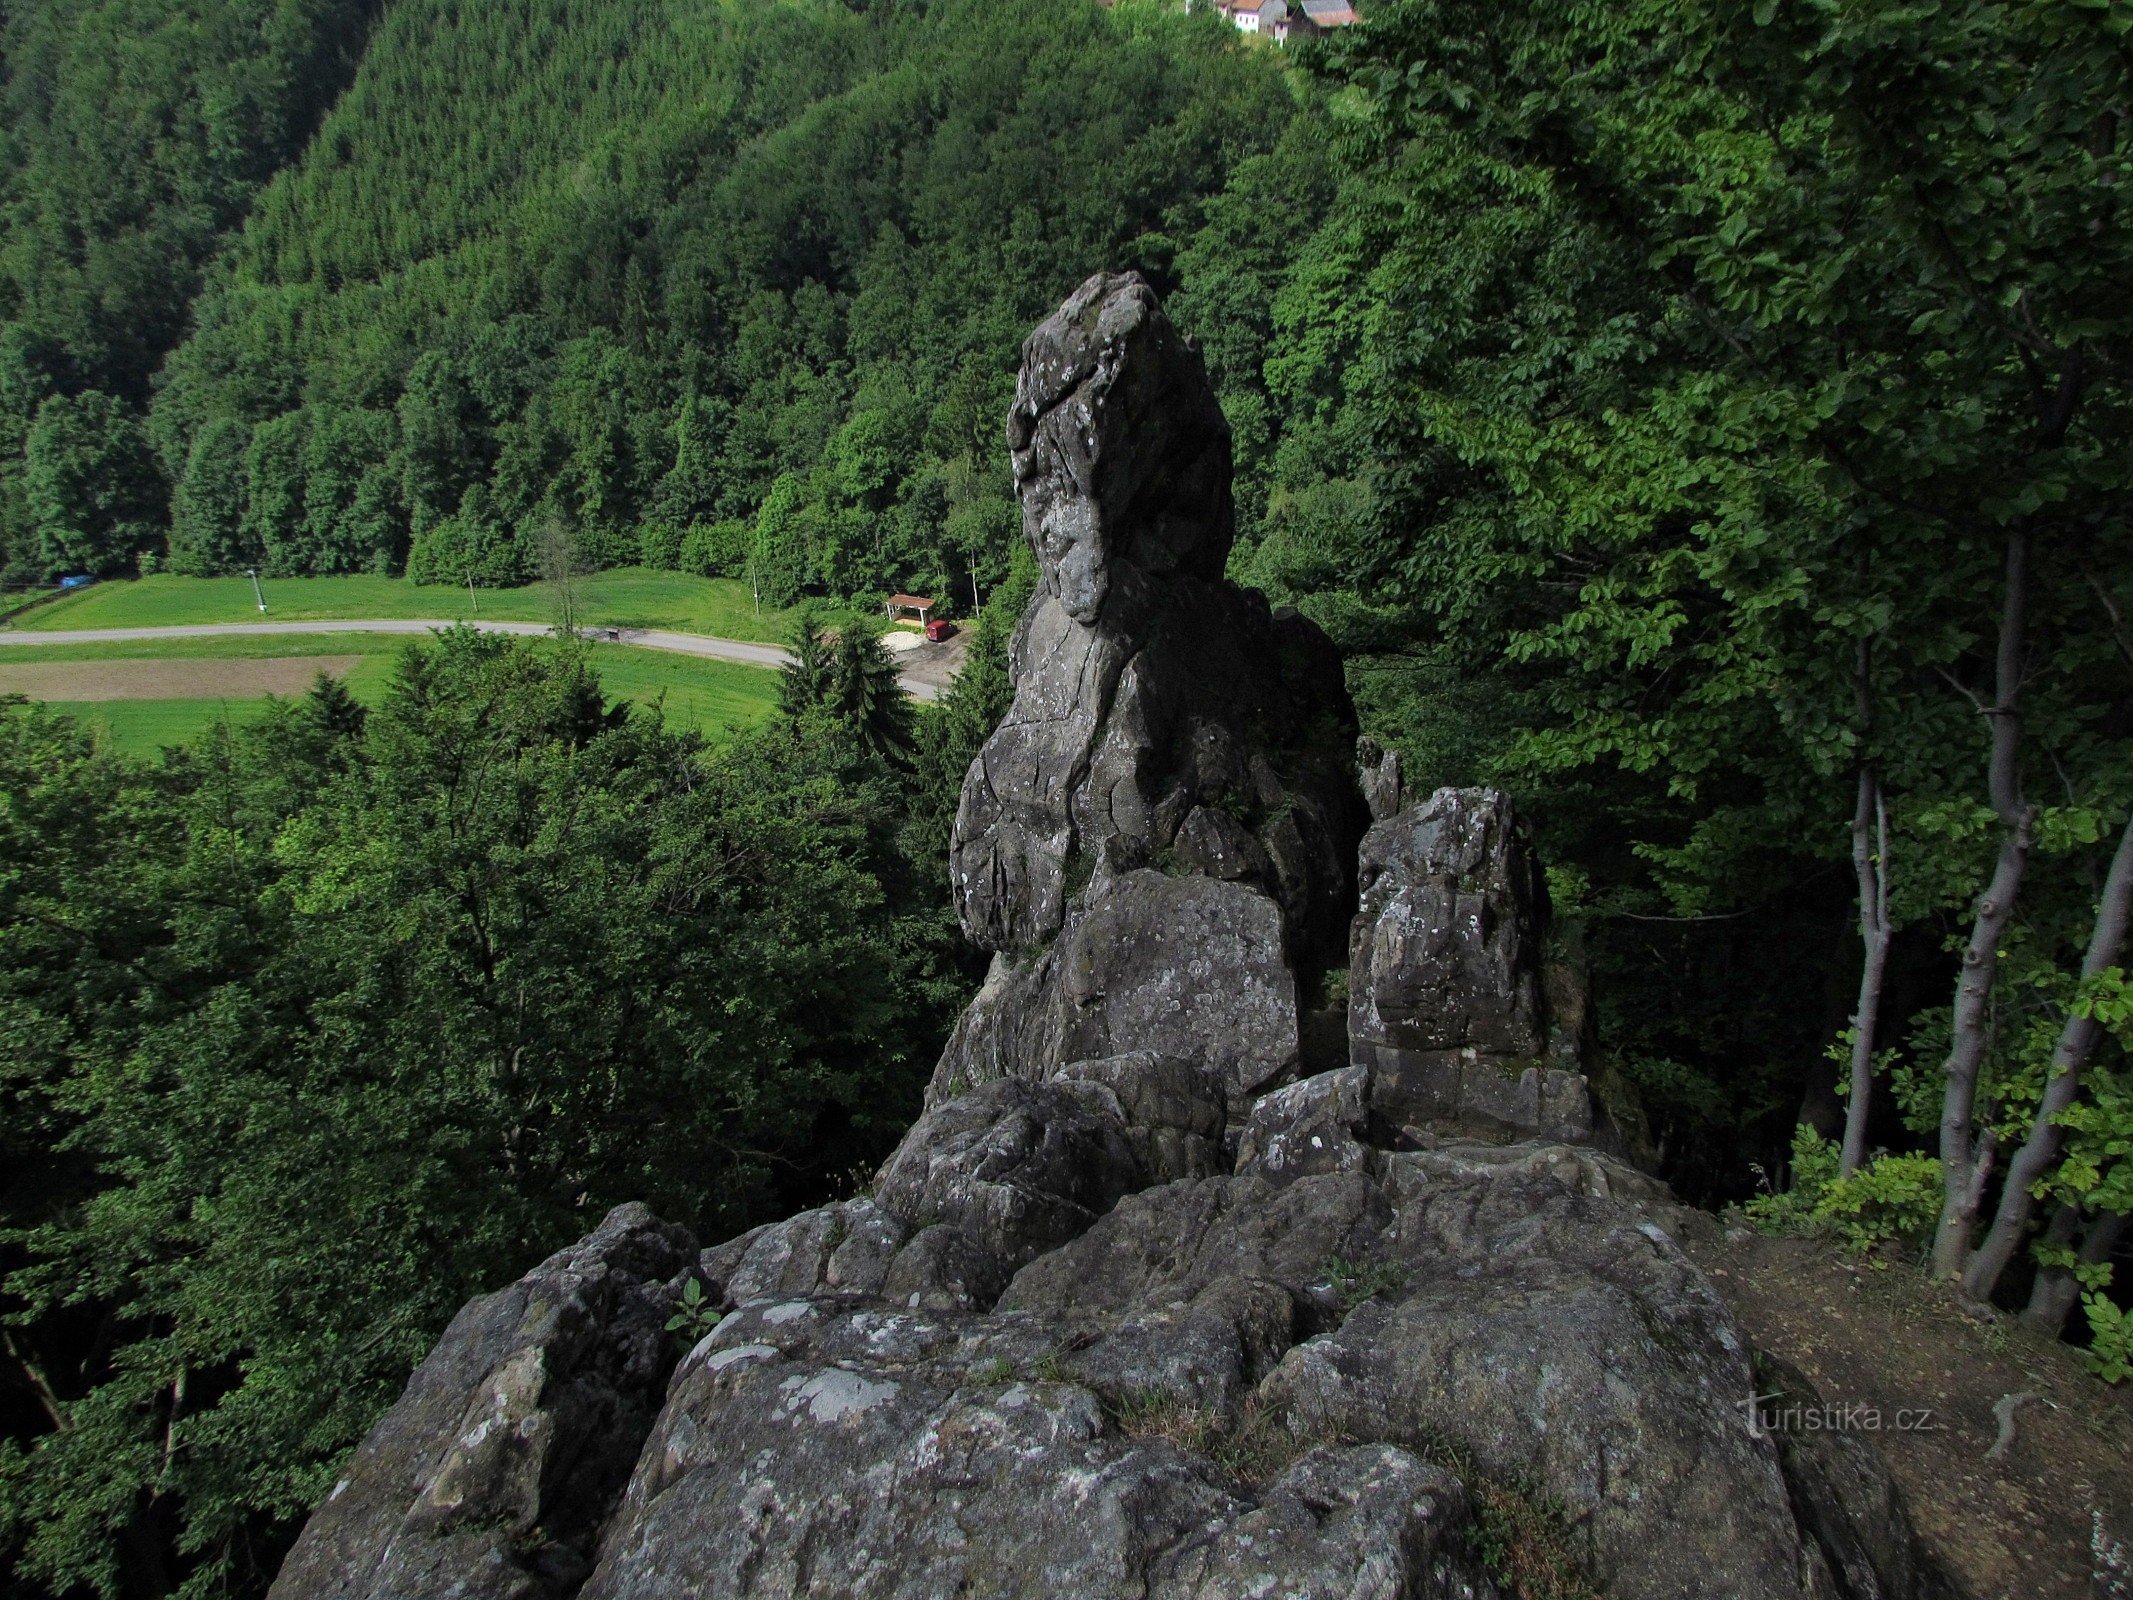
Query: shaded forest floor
x=1877, y=1334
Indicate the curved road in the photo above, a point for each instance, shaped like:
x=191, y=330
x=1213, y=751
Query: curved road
x=923, y=679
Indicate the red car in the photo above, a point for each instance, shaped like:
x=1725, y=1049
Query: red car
x=939, y=629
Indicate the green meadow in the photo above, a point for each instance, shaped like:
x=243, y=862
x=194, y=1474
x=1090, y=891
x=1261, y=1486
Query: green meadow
x=714, y=698
x=626, y=597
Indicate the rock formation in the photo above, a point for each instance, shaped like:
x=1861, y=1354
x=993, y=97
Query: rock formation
x=1166, y=725
x=1445, y=992
x=1134, y=1310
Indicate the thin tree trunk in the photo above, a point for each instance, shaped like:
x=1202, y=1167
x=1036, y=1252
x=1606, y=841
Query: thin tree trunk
x=2057, y=1288
x=1966, y=1157
x=1870, y=860
x=40, y=1385
x=2077, y=1038
x=2051, y=1295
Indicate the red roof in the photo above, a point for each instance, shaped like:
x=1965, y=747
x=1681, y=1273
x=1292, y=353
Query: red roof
x=923, y=602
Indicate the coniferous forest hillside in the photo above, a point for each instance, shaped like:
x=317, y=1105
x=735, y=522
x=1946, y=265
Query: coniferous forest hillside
x=1704, y=420
x=720, y=286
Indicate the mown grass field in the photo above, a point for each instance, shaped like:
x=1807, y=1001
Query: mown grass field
x=628, y=597
x=712, y=697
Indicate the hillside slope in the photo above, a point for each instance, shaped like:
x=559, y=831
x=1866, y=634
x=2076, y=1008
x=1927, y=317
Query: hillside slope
x=561, y=263
x=134, y=135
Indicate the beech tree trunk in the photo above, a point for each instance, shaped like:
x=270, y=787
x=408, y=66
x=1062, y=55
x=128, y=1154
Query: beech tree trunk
x=2056, y=1288
x=2077, y=1038
x=1966, y=1156
x=1870, y=860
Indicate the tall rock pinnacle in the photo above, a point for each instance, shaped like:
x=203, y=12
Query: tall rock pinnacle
x=1173, y=743
x=1122, y=456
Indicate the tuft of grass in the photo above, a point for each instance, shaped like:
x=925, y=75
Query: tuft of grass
x=1526, y=1537
x=1356, y=1281
x=1152, y=1414
x=1254, y=1446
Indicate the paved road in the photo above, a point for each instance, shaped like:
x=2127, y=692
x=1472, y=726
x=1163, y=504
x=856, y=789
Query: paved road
x=919, y=676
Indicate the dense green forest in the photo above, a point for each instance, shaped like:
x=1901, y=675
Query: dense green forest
x=1704, y=419
x=135, y=135
x=312, y=1026
x=722, y=286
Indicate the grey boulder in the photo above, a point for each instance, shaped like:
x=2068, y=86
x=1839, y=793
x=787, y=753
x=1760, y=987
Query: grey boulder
x=1446, y=1003
x=824, y=1448
x=496, y=1470
x=1188, y=967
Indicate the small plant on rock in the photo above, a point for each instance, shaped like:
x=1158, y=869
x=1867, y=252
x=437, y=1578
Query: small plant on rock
x=1354, y=1281
x=694, y=1316
x=1151, y=1414
x=1526, y=1538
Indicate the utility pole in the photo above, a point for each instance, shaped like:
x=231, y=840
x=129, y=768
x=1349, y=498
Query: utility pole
x=253, y=574
x=471, y=600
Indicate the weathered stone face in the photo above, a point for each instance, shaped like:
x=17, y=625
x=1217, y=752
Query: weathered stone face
x=1445, y=1001
x=494, y=1473
x=1200, y=1384
x=1121, y=455
x=1187, y=967
x=1162, y=716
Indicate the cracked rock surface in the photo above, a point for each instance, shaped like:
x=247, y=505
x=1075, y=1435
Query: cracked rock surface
x=1163, y=717
x=497, y=1469
x=1135, y=1310
x=1446, y=1002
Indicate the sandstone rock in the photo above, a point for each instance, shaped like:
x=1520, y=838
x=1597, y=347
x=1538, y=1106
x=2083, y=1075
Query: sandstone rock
x=849, y=1246
x=1272, y=1381
x=1378, y=770
x=1444, y=982
x=1019, y=1168
x=1549, y=1335
x=1121, y=455
x=1162, y=716
x=1175, y=1110
x=494, y=1473
x=986, y=1181
x=821, y=1448
x=1845, y=1493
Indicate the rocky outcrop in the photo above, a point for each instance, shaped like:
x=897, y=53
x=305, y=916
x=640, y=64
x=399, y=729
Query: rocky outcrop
x=1186, y=966
x=1445, y=993
x=1135, y=1309
x=1165, y=722
x=1163, y=717
x=497, y=1469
